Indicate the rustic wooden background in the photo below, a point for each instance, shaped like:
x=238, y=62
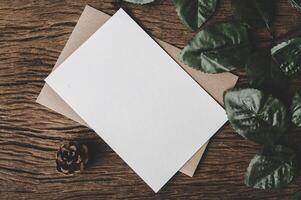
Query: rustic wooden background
x=32, y=35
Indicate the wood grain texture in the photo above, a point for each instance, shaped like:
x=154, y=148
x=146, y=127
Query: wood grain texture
x=32, y=34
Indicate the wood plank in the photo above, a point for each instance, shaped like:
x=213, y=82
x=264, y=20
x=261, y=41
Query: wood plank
x=32, y=34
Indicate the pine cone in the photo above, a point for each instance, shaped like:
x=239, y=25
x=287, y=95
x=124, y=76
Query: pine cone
x=71, y=157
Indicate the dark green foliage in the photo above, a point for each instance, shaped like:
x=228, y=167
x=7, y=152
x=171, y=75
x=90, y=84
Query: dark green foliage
x=218, y=48
x=296, y=109
x=264, y=73
x=256, y=115
x=194, y=13
x=296, y=4
x=254, y=12
x=273, y=167
x=288, y=56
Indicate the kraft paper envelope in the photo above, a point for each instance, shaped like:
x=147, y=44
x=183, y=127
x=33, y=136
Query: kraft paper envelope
x=90, y=20
x=137, y=99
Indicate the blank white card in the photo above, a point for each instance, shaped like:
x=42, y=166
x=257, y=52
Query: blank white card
x=152, y=113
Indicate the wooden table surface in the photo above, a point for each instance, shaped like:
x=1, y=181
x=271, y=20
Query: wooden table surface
x=32, y=35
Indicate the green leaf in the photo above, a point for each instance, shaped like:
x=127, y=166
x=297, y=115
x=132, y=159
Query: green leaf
x=297, y=196
x=288, y=56
x=254, y=12
x=263, y=73
x=296, y=4
x=274, y=167
x=218, y=48
x=256, y=115
x=194, y=13
x=139, y=1
x=296, y=109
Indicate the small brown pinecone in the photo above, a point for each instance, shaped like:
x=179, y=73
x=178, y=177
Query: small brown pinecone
x=71, y=157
